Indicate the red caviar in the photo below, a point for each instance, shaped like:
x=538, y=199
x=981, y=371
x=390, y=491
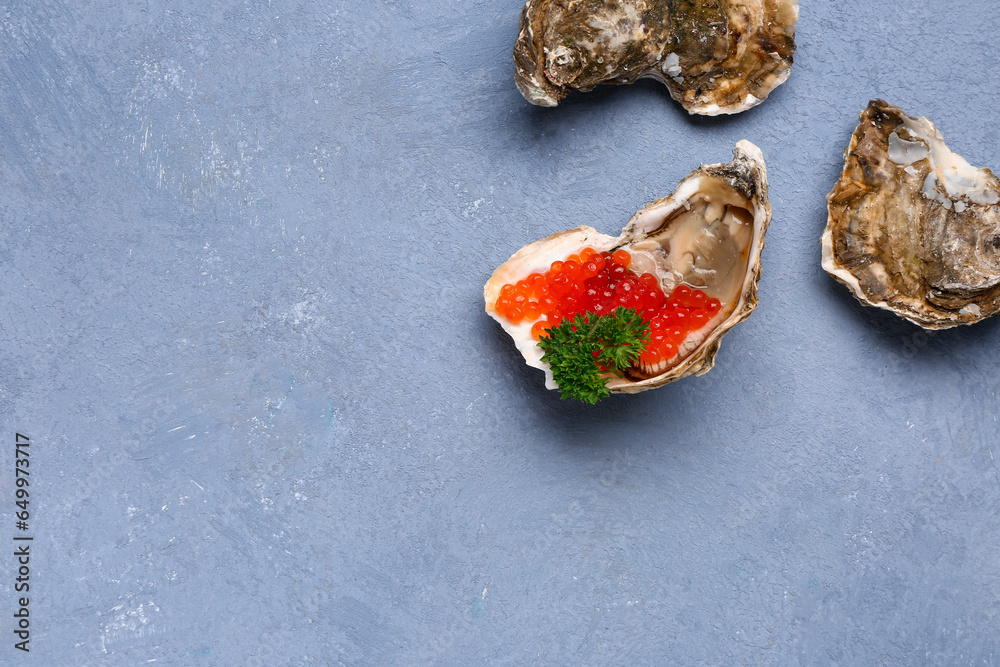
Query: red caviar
x=598, y=282
x=622, y=257
x=538, y=329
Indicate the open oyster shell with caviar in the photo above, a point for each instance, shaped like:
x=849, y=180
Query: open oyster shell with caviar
x=714, y=56
x=708, y=235
x=913, y=227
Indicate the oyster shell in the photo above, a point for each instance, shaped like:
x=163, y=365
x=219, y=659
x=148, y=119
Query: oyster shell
x=714, y=56
x=913, y=228
x=708, y=234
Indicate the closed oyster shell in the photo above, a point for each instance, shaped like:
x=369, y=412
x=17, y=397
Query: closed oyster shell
x=708, y=234
x=913, y=228
x=714, y=56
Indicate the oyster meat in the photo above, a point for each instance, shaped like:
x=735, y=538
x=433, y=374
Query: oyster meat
x=714, y=56
x=708, y=235
x=914, y=228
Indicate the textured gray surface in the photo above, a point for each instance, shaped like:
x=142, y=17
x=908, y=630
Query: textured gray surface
x=243, y=247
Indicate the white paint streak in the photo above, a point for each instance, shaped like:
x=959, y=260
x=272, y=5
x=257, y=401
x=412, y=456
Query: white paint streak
x=131, y=624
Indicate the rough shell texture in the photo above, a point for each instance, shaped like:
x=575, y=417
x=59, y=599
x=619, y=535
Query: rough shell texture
x=913, y=228
x=709, y=234
x=715, y=56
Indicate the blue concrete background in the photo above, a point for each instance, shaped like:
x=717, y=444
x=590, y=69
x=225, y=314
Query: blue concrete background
x=243, y=247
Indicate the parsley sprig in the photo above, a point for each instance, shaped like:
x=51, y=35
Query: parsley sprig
x=618, y=338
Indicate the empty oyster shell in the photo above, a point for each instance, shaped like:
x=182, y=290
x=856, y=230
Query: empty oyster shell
x=913, y=228
x=708, y=234
x=715, y=57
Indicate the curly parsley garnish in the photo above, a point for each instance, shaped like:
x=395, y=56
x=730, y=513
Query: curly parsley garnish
x=617, y=338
